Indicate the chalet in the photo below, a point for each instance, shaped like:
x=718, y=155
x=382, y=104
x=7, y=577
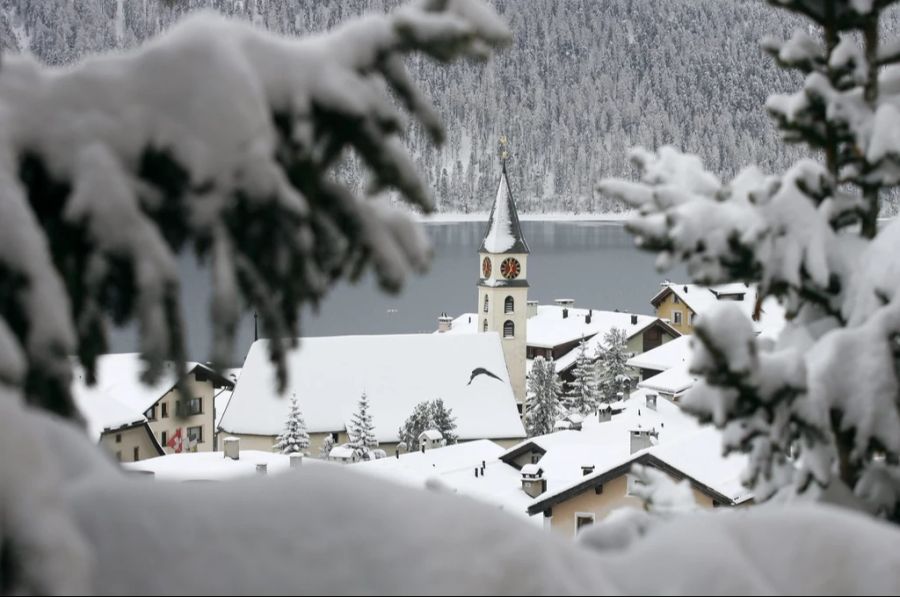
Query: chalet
x=681, y=304
x=118, y=377
x=327, y=376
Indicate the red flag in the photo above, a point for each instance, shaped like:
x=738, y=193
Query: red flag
x=176, y=442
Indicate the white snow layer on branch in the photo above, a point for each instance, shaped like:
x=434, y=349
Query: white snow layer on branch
x=221, y=137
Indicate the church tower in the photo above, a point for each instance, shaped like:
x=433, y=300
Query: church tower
x=503, y=283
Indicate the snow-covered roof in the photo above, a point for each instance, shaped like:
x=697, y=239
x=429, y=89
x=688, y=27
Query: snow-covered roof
x=675, y=380
x=701, y=299
x=328, y=375
x=431, y=434
x=548, y=328
x=101, y=410
x=531, y=469
x=697, y=455
x=504, y=233
x=343, y=451
x=213, y=466
x=452, y=468
x=119, y=376
x=665, y=356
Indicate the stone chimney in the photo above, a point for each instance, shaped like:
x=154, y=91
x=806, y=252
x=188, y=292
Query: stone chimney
x=640, y=439
x=533, y=481
x=604, y=413
x=651, y=401
x=445, y=322
x=232, y=448
x=531, y=309
x=296, y=460
x=262, y=469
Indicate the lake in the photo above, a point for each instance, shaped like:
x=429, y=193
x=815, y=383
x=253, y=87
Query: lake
x=595, y=263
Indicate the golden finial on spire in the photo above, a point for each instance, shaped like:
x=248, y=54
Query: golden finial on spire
x=503, y=150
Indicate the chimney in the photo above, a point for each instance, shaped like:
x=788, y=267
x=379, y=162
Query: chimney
x=634, y=320
x=445, y=322
x=531, y=309
x=586, y=469
x=651, y=401
x=296, y=460
x=640, y=440
x=565, y=313
x=589, y=316
x=604, y=413
x=261, y=469
x=232, y=448
x=685, y=289
x=533, y=481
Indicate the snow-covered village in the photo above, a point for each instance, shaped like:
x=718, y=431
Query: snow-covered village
x=534, y=297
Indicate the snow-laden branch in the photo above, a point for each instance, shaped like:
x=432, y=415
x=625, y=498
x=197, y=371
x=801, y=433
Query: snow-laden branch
x=217, y=138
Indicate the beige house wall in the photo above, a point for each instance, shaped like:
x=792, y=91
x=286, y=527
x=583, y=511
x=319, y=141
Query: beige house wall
x=514, y=348
x=169, y=424
x=614, y=496
x=122, y=444
x=667, y=308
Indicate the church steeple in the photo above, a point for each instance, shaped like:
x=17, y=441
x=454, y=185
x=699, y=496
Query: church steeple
x=503, y=283
x=504, y=233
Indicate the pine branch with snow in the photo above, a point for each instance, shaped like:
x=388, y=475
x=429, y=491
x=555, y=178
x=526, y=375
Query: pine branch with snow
x=823, y=403
x=326, y=447
x=543, y=407
x=361, y=430
x=109, y=170
x=294, y=438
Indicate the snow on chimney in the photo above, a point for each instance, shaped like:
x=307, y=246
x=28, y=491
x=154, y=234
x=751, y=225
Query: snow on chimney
x=445, y=322
x=651, y=401
x=296, y=460
x=604, y=413
x=640, y=439
x=261, y=469
x=533, y=481
x=232, y=448
x=531, y=309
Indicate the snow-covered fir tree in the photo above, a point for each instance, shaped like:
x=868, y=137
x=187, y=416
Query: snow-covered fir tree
x=543, y=407
x=418, y=421
x=362, y=430
x=326, y=447
x=609, y=362
x=819, y=407
x=443, y=420
x=581, y=395
x=294, y=438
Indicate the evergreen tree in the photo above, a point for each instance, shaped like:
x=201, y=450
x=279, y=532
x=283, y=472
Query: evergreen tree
x=326, y=447
x=581, y=396
x=362, y=430
x=542, y=408
x=420, y=420
x=819, y=408
x=610, y=367
x=294, y=438
x=443, y=420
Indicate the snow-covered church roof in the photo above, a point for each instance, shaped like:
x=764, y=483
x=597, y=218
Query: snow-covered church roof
x=504, y=234
x=327, y=376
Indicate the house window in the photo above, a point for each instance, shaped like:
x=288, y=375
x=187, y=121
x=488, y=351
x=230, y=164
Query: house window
x=151, y=413
x=118, y=438
x=583, y=519
x=675, y=299
x=136, y=454
x=163, y=437
x=484, y=327
x=676, y=317
x=485, y=303
x=165, y=410
x=195, y=406
x=509, y=329
x=509, y=305
x=535, y=458
x=196, y=434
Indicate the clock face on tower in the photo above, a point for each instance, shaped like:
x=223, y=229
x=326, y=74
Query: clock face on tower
x=510, y=268
x=486, y=268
